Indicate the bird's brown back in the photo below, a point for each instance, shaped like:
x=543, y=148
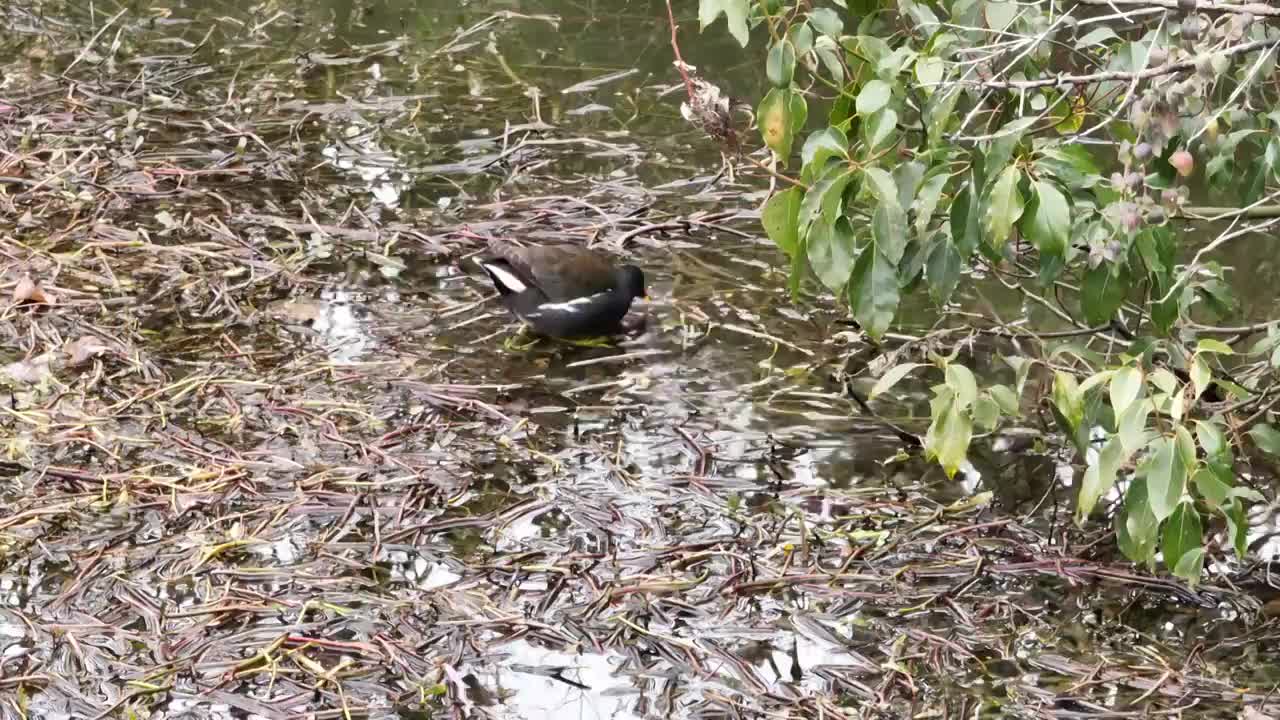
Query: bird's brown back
x=561, y=272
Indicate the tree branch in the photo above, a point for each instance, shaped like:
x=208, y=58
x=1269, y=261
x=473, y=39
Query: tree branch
x=1110, y=75
x=675, y=47
x=1258, y=9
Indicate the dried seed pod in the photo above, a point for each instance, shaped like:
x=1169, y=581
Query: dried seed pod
x=1130, y=217
x=1191, y=27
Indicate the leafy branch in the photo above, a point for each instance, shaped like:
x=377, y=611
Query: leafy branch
x=1074, y=191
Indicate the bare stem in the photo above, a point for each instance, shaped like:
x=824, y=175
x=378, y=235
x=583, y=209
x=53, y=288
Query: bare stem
x=675, y=47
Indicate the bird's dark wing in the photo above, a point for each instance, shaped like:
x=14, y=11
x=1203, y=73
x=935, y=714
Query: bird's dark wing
x=561, y=272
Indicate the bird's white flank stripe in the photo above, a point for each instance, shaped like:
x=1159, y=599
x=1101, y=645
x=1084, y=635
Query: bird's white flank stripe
x=573, y=306
x=509, y=281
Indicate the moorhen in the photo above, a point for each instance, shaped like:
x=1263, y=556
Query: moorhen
x=563, y=291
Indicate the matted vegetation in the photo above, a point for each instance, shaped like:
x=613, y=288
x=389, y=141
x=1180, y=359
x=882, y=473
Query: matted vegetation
x=266, y=456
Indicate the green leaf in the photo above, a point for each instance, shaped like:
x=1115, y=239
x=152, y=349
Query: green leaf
x=889, y=229
x=1209, y=345
x=829, y=53
x=1247, y=493
x=1163, y=379
x=1136, y=527
x=780, y=66
x=880, y=128
x=1166, y=476
x=986, y=413
x=1182, y=533
x=882, y=185
x=1213, y=441
x=801, y=36
x=831, y=252
x=1238, y=527
x=927, y=197
x=799, y=269
x=1156, y=247
x=938, y=113
x=1190, y=566
x=965, y=230
x=929, y=72
x=775, y=121
x=1006, y=399
x=1185, y=446
x=911, y=269
x=1021, y=367
x=781, y=219
x=1099, y=478
x=798, y=110
x=961, y=381
x=1215, y=293
x=823, y=202
x=1131, y=426
x=873, y=96
x=949, y=433
x=942, y=270
x=1102, y=293
x=1266, y=438
x=920, y=13
x=889, y=221
x=1068, y=399
x=873, y=290
x=892, y=377
x=1047, y=222
x=735, y=14
x=1200, y=375
x=1215, y=492
x=1125, y=386
x=1165, y=314
x=907, y=176
x=1007, y=140
x=1071, y=165
x=999, y=13
x=1004, y=207
x=871, y=48
x=827, y=22
x=1097, y=36
x=1096, y=379
x=1177, y=406
x=823, y=145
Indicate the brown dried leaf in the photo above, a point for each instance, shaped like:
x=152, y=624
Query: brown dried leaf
x=82, y=349
x=28, y=291
x=297, y=311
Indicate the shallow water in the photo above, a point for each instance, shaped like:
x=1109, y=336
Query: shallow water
x=312, y=478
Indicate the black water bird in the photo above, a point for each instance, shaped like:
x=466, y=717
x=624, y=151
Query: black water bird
x=563, y=291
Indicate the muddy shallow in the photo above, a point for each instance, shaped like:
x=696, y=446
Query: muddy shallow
x=267, y=453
